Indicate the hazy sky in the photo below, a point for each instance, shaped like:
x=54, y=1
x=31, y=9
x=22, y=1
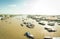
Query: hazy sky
x=44, y=7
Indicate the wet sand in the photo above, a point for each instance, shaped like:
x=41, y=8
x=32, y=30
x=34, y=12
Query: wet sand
x=11, y=29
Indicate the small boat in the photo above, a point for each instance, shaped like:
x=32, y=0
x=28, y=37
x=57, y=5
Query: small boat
x=50, y=29
x=47, y=37
x=51, y=23
x=28, y=35
x=41, y=23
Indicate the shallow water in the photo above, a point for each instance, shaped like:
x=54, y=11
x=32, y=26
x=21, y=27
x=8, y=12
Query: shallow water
x=11, y=29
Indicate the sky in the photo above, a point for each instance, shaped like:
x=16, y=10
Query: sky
x=42, y=7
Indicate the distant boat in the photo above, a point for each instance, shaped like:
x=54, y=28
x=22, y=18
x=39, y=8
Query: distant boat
x=1, y=18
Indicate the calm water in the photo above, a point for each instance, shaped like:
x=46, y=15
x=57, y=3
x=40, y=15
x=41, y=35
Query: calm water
x=11, y=29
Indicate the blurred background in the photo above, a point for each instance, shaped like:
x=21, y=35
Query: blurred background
x=43, y=7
